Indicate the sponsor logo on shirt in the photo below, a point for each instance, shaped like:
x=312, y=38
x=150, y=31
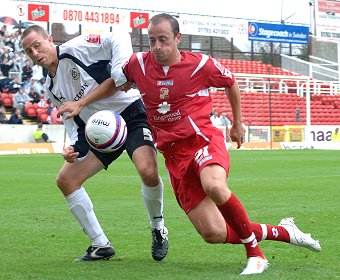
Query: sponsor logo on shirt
x=93, y=38
x=171, y=117
x=163, y=108
x=75, y=74
x=165, y=83
x=80, y=94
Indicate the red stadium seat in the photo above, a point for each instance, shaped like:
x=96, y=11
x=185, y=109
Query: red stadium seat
x=43, y=117
x=7, y=101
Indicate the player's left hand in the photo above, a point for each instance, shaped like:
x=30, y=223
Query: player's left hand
x=237, y=133
x=72, y=108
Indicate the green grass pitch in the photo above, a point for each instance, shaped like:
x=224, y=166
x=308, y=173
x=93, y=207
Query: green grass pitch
x=40, y=238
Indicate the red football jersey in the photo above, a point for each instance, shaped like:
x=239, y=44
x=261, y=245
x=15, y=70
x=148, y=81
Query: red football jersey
x=177, y=97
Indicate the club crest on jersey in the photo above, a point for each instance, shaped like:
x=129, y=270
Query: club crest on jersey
x=75, y=74
x=93, y=38
x=165, y=83
x=164, y=93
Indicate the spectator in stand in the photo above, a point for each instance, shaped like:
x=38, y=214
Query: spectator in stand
x=225, y=120
x=20, y=99
x=42, y=83
x=10, y=48
x=33, y=84
x=44, y=104
x=3, y=30
x=2, y=42
x=5, y=67
x=213, y=110
x=34, y=95
x=226, y=123
x=16, y=41
x=16, y=117
x=215, y=119
x=50, y=106
x=16, y=84
x=16, y=67
x=27, y=72
x=8, y=52
x=54, y=116
x=21, y=59
x=3, y=118
x=297, y=115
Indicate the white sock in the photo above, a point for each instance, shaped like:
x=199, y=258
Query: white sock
x=153, y=201
x=82, y=209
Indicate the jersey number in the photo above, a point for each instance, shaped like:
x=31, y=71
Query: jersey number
x=147, y=135
x=201, y=154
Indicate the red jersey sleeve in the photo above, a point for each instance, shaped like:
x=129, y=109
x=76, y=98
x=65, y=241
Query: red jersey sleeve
x=219, y=76
x=128, y=66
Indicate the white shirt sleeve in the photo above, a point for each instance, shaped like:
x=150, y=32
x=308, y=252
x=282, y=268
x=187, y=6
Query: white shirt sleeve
x=121, y=53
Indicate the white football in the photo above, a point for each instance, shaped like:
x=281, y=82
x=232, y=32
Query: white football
x=106, y=131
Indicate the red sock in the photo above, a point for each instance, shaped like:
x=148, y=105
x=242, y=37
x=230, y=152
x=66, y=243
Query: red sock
x=262, y=232
x=270, y=232
x=237, y=218
x=232, y=236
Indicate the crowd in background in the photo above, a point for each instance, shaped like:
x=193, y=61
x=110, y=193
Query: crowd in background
x=220, y=119
x=18, y=76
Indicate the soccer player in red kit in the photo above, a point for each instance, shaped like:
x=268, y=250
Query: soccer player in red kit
x=175, y=89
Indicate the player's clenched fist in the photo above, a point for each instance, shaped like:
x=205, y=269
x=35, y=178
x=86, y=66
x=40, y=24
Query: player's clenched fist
x=69, y=154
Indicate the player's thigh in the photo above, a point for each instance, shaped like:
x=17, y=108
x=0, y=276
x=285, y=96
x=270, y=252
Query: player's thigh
x=140, y=148
x=208, y=221
x=73, y=175
x=214, y=182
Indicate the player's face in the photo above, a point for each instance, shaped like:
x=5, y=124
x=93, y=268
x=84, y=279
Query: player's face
x=41, y=50
x=163, y=43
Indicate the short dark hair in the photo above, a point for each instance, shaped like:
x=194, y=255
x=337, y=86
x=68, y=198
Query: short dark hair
x=34, y=28
x=166, y=17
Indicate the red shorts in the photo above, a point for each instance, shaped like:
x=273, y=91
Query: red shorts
x=185, y=159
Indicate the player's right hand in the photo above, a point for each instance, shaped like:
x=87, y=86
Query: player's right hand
x=73, y=109
x=237, y=133
x=126, y=87
x=69, y=154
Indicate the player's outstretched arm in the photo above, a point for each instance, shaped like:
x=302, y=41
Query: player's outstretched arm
x=237, y=130
x=73, y=108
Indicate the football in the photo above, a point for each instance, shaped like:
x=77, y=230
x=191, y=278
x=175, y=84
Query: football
x=106, y=131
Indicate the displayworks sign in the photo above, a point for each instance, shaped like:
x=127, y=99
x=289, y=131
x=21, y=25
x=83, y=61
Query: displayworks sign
x=281, y=33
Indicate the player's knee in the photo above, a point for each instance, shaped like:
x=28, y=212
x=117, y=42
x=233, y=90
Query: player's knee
x=214, y=235
x=218, y=192
x=148, y=172
x=149, y=175
x=61, y=181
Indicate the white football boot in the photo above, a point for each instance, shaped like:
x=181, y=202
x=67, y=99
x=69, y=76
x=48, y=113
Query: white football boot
x=297, y=237
x=255, y=265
